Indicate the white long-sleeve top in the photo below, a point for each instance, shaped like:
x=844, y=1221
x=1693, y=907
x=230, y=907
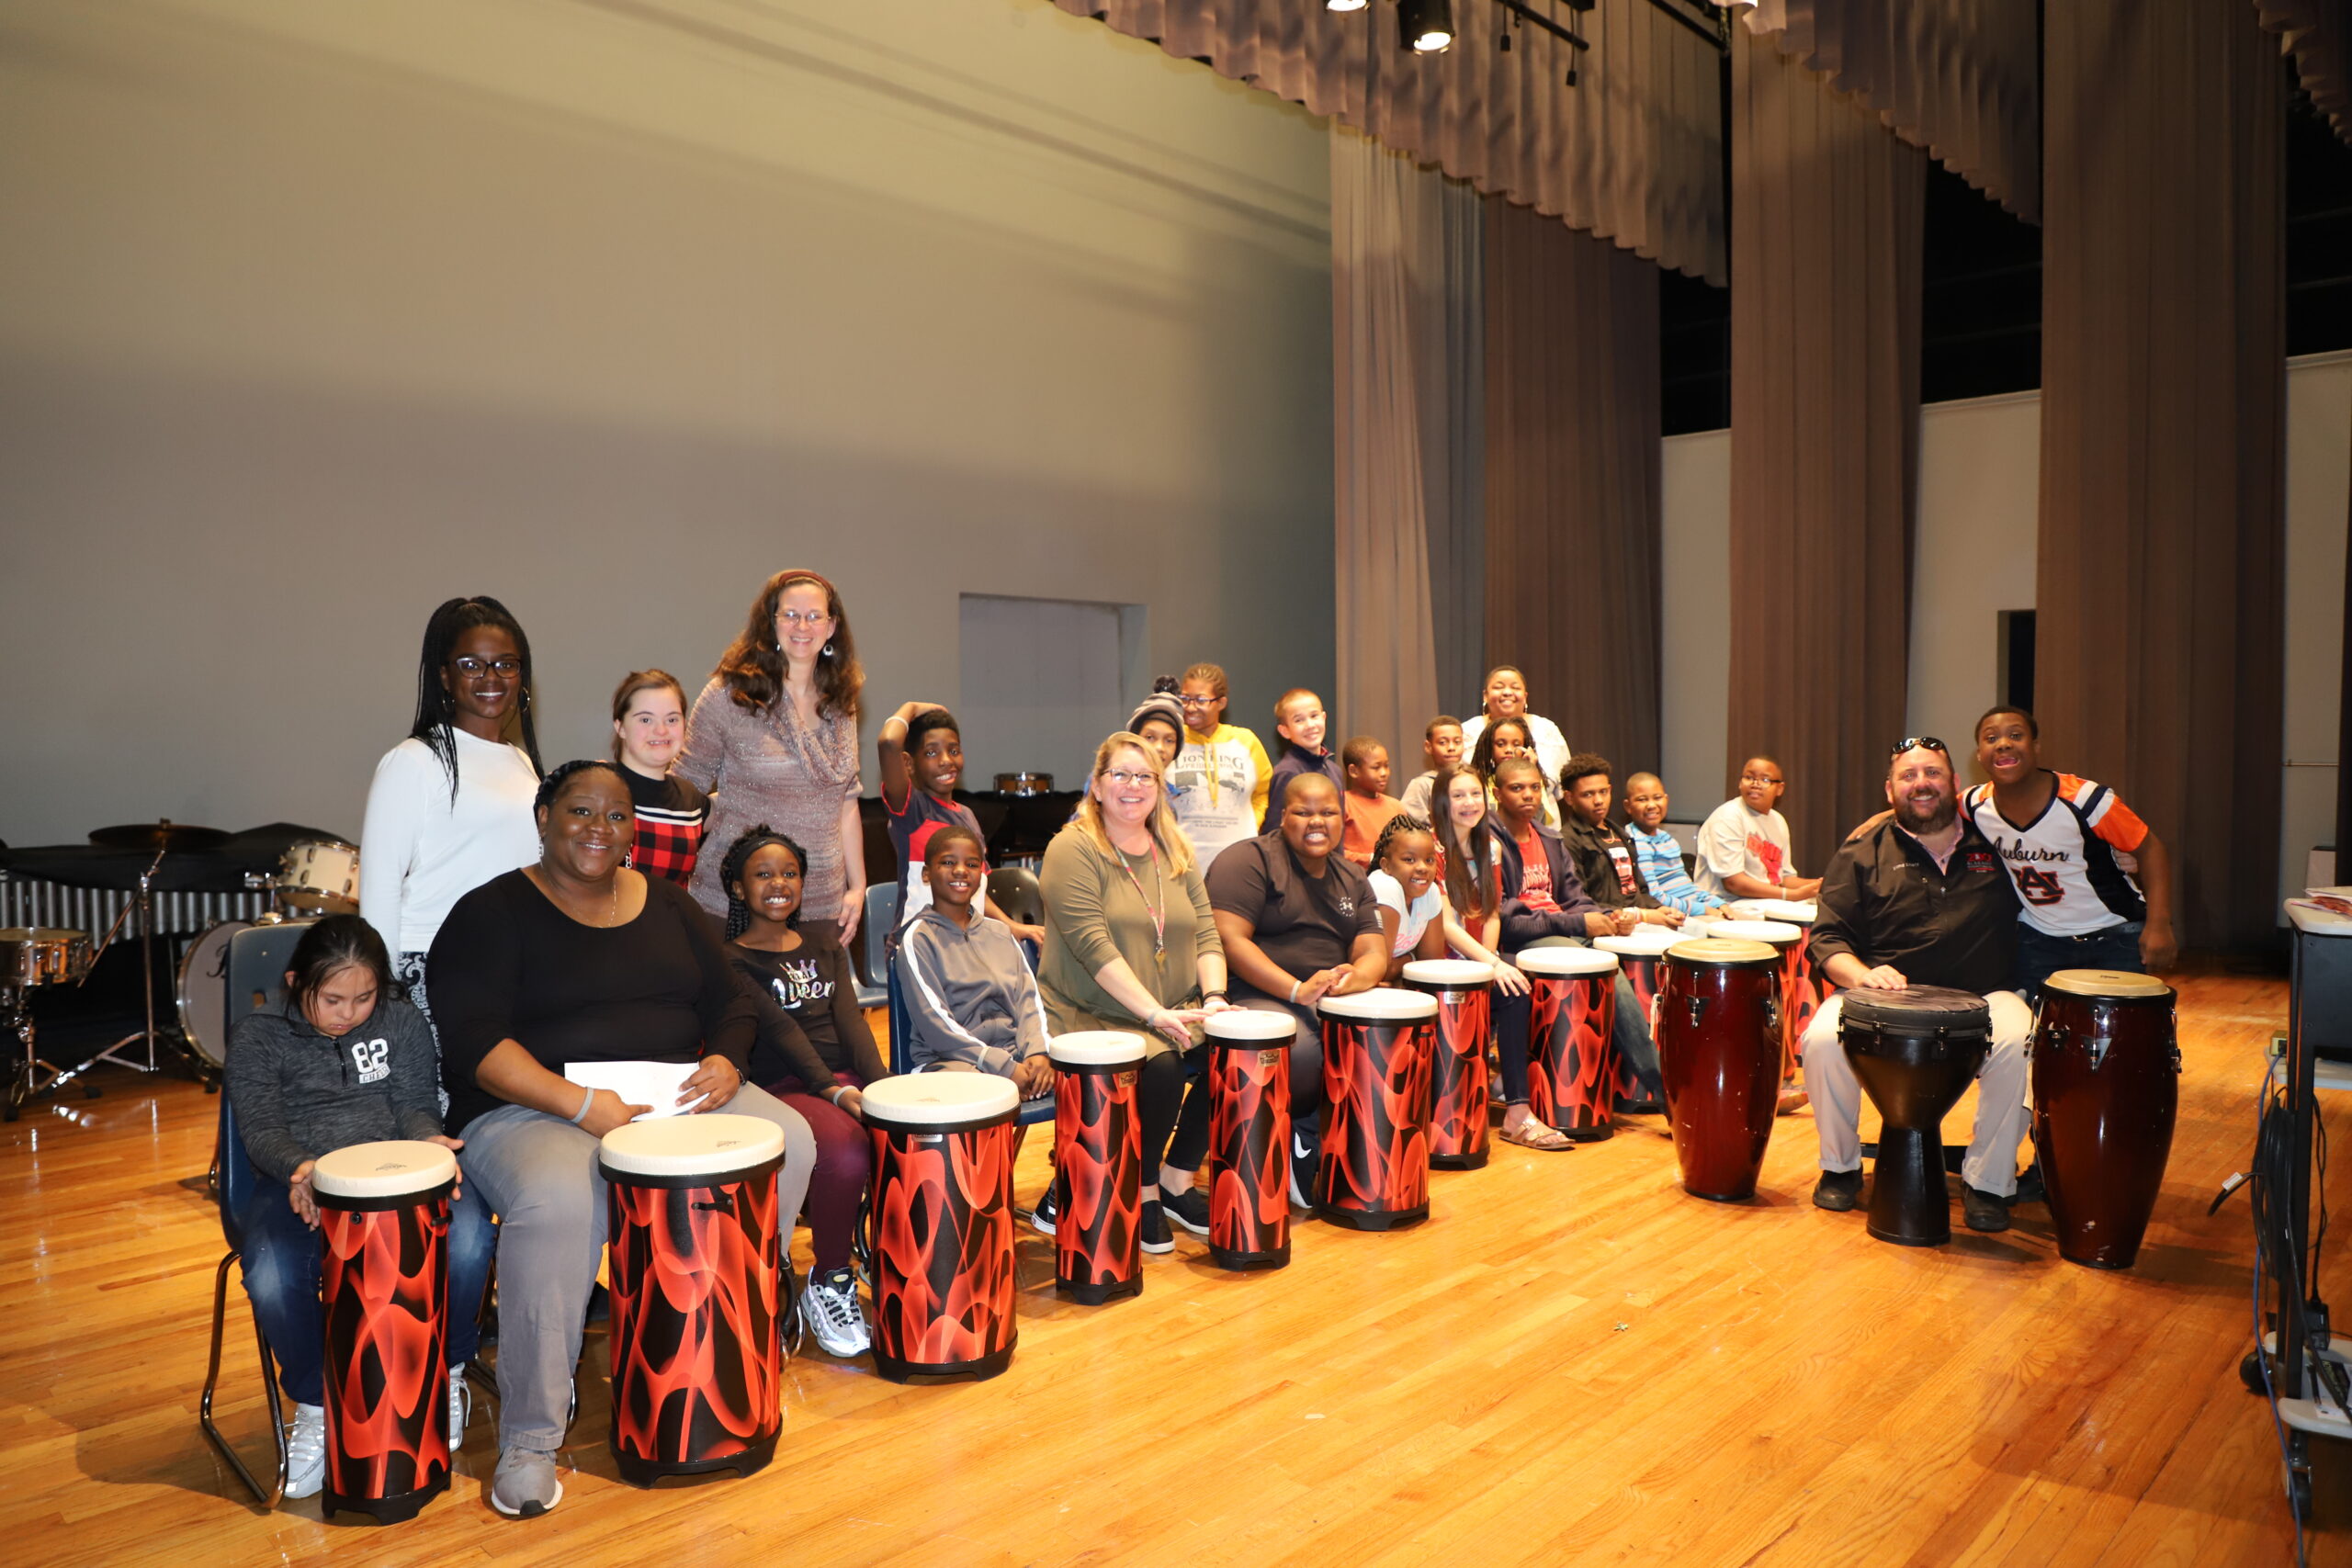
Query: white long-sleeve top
x=420, y=852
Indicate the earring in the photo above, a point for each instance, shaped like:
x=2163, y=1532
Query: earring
x=829, y=650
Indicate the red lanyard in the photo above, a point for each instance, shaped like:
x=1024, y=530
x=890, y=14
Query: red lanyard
x=1160, y=915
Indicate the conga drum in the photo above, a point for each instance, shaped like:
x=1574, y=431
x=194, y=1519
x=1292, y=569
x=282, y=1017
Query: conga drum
x=941, y=1228
x=1377, y=1045
x=1571, y=1046
x=1915, y=1051
x=1641, y=958
x=384, y=1284
x=2106, y=1086
x=697, y=1249
x=1458, y=1095
x=1802, y=992
x=1786, y=940
x=1098, y=1165
x=1719, y=1053
x=1249, y=1089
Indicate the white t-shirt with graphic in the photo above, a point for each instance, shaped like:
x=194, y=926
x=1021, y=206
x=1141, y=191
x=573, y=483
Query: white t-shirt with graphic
x=1411, y=920
x=1735, y=841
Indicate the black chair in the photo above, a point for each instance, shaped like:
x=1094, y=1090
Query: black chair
x=1014, y=890
x=257, y=960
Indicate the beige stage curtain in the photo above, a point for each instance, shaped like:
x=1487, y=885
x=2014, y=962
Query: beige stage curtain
x=1830, y=210
x=2318, y=34
x=1572, y=481
x=1958, y=77
x=2158, y=658
x=1403, y=284
x=1632, y=154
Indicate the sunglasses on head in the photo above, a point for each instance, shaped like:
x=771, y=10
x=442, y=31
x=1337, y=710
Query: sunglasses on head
x=1919, y=743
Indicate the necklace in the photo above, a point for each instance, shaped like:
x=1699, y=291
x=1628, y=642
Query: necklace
x=1159, y=913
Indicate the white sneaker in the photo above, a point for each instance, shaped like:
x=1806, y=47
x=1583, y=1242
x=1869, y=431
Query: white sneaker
x=306, y=1451
x=461, y=1405
x=829, y=1307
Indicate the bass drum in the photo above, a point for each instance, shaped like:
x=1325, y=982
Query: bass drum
x=203, y=990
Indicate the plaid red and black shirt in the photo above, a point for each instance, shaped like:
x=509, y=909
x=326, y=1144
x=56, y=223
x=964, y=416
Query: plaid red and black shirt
x=669, y=817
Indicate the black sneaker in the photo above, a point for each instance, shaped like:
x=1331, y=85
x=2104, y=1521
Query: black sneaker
x=1188, y=1209
x=1982, y=1210
x=1837, y=1190
x=1153, y=1229
x=1042, y=1218
x=2032, y=1189
x=1305, y=1160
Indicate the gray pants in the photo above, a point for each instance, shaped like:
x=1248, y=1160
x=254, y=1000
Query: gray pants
x=1992, y=1162
x=538, y=1173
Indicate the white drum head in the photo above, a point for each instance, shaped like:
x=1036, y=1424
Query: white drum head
x=1252, y=1023
x=1643, y=941
x=390, y=1170
x=1451, y=973
x=2113, y=983
x=1560, y=961
x=940, y=1099
x=1770, y=931
x=1791, y=911
x=1096, y=1047
x=715, y=1145
x=1382, y=1004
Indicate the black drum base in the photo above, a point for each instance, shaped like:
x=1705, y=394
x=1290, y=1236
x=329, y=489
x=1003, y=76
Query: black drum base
x=642, y=1472
x=1459, y=1162
x=1748, y=1197
x=1094, y=1295
x=1373, y=1220
x=1909, y=1206
x=1245, y=1261
x=384, y=1510
x=1597, y=1134
x=986, y=1367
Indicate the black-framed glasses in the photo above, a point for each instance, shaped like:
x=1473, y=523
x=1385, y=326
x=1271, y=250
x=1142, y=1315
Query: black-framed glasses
x=1919, y=743
x=470, y=666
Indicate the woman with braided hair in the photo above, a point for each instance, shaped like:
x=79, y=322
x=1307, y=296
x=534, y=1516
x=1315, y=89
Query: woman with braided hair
x=814, y=1053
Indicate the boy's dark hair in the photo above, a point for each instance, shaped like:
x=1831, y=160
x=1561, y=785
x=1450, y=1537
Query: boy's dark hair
x=750, y=842
x=1516, y=764
x=437, y=710
x=1582, y=766
x=1765, y=756
x=1429, y=730
x=952, y=833
x=336, y=942
x=2032, y=725
x=553, y=785
x=925, y=722
x=1403, y=822
x=1359, y=749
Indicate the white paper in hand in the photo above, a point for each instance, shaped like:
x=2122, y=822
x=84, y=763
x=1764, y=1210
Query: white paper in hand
x=638, y=1083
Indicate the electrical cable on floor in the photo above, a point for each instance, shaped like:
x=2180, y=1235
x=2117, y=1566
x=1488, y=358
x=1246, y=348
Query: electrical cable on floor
x=2267, y=1113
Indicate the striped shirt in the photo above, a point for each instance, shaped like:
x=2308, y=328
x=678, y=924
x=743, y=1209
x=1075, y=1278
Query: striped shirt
x=1660, y=859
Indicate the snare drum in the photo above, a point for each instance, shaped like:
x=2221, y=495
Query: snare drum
x=1787, y=939
x=318, y=876
x=1098, y=1165
x=1641, y=958
x=1571, y=1041
x=1249, y=1087
x=1458, y=1094
x=43, y=955
x=941, y=1232
x=1719, y=1052
x=2105, y=1088
x=384, y=1286
x=1377, y=1044
x=697, y=1254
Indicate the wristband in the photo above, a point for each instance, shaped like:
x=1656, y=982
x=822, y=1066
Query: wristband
x=585, y=1106
x=1294, y=984
x=1215, y=996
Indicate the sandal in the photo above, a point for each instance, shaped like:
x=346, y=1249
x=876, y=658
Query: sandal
x=1535, y=1135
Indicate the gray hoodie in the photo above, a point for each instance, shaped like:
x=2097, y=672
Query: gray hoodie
x=299, y=1095
x=969, y=995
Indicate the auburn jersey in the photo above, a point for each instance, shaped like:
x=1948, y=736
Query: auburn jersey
x=2063, y=862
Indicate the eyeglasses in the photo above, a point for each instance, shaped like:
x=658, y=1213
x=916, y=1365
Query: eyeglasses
x=1758, y=779
x=1196, y=702
x=802, y=617
x=1131, y=780
x=476, y=666
x=1919, y=743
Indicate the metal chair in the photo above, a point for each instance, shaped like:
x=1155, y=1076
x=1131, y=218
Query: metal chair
x=257, y=960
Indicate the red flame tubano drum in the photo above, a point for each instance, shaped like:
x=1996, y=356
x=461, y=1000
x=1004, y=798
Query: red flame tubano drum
x=1374, y=1174
x=1098, y=1165
x=1786, y=939
x=384, y=1282
x=1801, y=991
x=942, y=1234
x=696, y=1247
x=1571, y=1052
x=1719, y=1052
x=1458, y=1066
x=1641, y=958
x=1249, y=1087
x=2106, y=1086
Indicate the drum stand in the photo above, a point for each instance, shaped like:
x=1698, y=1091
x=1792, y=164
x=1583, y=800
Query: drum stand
x=201, y=1070
x=28, y=1080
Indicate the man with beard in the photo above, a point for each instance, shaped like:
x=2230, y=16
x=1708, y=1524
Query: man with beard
x=1920, y=898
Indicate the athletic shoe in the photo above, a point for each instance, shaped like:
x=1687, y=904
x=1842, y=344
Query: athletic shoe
x=1042, y=1218
x=1839, y=1191
x=1306, y=1158
x=1983, y=1211
x=461, y=1407
x=828, y=1305
x=1189, y=1209
x=306, y=1451
x=526, y=1485
x=1152, y=1229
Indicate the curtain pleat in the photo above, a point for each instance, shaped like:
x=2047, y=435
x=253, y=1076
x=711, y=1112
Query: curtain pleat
x=1632, y=152
x=1824, y=413
x=2158, y=658
x=1573, y=481
x=1456, y=487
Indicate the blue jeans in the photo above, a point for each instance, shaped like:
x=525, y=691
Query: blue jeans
x=281, y=1269
x=2041, y=955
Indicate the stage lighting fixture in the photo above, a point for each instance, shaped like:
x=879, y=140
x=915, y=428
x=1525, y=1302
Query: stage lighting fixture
x=1424, y=26
x=1344, y=4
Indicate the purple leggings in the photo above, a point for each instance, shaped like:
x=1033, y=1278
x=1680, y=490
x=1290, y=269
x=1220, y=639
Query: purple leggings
x=844, y=1163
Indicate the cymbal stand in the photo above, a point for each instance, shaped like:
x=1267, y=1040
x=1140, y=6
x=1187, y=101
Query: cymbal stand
x=144, y=901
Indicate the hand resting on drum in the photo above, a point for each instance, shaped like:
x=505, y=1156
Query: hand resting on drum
x=1849, y=973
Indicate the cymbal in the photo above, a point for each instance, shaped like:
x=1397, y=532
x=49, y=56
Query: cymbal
x=177, y=837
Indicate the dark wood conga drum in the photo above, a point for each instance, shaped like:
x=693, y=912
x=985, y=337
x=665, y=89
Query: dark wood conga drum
x=1915, y=1051
x=1801, y=991
x=1719, y=1053
x=2106, y=1087
x=1787, y=940
x=1458, y=1094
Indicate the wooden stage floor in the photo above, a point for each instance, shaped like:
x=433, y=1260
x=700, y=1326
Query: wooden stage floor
x=1572, y=1361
